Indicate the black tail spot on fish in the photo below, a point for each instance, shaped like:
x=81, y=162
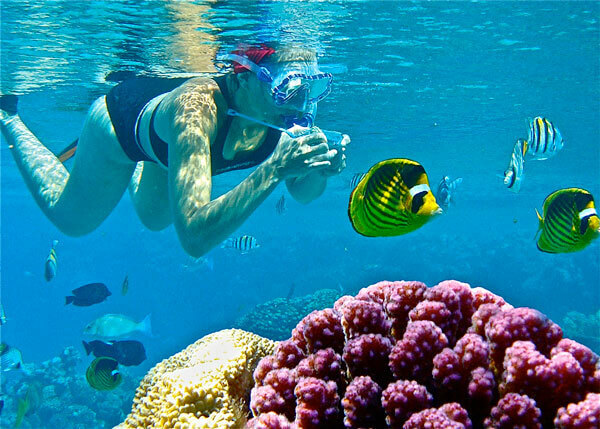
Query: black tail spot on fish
x=418, y=201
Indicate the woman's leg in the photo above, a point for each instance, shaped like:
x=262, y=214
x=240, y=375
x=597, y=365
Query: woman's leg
x=149, y=192
x=76, y=202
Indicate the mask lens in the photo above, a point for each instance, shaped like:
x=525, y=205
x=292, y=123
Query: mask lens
x=298, y=89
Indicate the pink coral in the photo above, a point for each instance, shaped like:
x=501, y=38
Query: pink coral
x=551, y=382
x=465, y=298
x=588, y=360
x=368, y=355
x=403, y=398
x=363, y=317
x=276, y=394
x=440, y=418
x=362, y=404
x=270, y=420
x=400, y=299
x=366, y=350
x=317, y=403
x=583, y=415
x=412, y=357
x=319, y=330
x=324, y=364
x=515, y=411
x=526, y=324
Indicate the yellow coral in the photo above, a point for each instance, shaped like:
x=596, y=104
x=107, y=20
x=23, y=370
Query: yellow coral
x=204, y=386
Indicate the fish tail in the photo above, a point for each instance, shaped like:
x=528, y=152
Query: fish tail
x=69, y=299
x=540, y=224
x=146, y=325
x=87, y=348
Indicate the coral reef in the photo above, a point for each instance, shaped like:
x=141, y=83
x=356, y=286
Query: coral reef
x=275, y=319
x=204, y=386
x=402, y=355
x=584, y=328
x=63, y=397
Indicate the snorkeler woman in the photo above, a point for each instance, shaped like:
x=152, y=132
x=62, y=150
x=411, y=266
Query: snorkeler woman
x=166, y=138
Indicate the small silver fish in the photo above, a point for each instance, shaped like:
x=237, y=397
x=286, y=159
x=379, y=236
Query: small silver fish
x=125, y=286
x=111, y=326
x=513, y=175
x=51, y=263
x=281, y=206
x=244, y=243
x=445, y=191
x=544, y=139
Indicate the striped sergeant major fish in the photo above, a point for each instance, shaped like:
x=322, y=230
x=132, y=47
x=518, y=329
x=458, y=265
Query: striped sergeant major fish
x=445, y=191
x=513, y=175
x=243, y=243
x=281, y=206
x=569, y=222
x=51, y=263
x=544, y=139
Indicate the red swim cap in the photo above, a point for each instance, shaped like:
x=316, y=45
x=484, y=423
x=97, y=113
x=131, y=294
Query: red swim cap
x=254, y=54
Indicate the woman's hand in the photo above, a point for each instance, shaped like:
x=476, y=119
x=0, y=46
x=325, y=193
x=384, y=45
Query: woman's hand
x=299, y=156
x=338, y=162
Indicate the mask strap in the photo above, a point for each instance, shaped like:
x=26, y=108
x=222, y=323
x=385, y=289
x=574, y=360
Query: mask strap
x=262, y=73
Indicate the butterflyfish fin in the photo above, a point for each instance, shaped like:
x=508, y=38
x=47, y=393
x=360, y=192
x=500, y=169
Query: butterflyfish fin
x=540, y=224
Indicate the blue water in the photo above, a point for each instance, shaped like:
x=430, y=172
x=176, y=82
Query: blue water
x=449, y=84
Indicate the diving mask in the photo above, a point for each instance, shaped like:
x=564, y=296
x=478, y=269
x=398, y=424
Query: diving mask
x=295, y=88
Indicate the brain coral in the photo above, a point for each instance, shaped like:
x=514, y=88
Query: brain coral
x=388, y=355
x=204, y=386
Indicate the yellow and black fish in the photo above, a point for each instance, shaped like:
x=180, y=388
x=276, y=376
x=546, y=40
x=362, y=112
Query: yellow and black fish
x=393, y=198
x=569, y=221
x=103, y=374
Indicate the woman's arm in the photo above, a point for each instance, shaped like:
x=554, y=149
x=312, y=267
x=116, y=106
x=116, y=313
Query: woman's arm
x=201, y=224
x=310, y=187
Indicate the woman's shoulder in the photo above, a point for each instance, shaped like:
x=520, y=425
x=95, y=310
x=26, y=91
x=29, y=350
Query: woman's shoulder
x=200, y=83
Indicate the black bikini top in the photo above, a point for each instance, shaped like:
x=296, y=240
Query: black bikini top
x=218, y=163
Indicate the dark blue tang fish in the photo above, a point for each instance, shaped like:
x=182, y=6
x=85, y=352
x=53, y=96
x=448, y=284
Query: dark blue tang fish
x=90, y=294
x=127, y=353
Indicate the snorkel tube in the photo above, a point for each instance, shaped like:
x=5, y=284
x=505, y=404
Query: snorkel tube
x=334, y=138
